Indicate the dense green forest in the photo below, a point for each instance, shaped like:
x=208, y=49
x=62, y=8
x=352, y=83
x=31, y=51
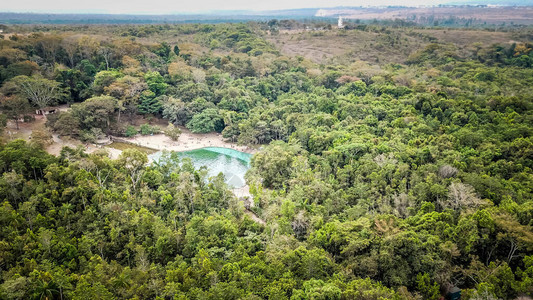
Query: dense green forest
x=396, y=177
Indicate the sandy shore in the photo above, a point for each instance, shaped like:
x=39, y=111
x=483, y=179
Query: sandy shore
x=58, y=144
x=187, y=141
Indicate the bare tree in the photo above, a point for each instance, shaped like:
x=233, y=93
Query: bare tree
x=447, y=171
x=300, y=225
x=401, y=204
x=460, y=196
x=198, y=75
x=107, y=54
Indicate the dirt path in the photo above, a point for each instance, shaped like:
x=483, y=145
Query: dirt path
x=58, y=144
x=255, y=217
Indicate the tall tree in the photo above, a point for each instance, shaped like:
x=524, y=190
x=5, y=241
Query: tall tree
x=41, y=92
x=71, y=46
x=95, y=112
x=133, y=161
x=15, y=107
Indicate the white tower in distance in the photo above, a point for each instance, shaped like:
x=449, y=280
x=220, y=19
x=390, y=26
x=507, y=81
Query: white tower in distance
x=340, y=23
x=321, y=13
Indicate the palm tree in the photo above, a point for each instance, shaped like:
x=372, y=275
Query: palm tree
x=45, y=290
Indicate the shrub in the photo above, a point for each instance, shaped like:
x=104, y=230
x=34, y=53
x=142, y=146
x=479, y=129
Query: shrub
x=130, y=131
x=146, y=129
x=173, y=132
x=41, y=138
x=91, y=135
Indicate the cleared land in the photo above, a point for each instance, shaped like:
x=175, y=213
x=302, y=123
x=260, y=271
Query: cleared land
x=490, y=15
x=346, y=46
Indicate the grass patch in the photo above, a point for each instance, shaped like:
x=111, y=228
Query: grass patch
x=123, y=146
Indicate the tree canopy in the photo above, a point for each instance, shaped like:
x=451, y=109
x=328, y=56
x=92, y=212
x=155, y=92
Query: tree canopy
x=399, y=169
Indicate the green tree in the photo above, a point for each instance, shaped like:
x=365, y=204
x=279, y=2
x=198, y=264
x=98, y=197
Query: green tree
x=85, y=290
x=163, y=51
x=274, y=163
x=41, y=92
x=150, y=104
x=67, y=124
x=96, y=112
x=104, y=79
x=176, y=111
x=132, y=161
x=15, y=108
x=207, y=121
x=428, y=289
x=156, y=83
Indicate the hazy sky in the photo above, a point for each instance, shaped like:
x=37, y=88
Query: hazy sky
x=174, y=6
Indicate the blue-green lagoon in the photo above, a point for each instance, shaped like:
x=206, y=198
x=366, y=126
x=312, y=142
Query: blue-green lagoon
x=232, y=163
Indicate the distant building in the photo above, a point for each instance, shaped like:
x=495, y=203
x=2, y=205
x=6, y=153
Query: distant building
x=340, y=23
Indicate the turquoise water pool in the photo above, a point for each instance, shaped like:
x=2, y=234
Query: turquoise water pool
x=232, y=163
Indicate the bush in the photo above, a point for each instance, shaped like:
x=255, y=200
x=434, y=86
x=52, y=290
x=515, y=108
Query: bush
x=146, y=129
x=130, y=131
x=91, y=135
x=173, y=132
x=41, y=138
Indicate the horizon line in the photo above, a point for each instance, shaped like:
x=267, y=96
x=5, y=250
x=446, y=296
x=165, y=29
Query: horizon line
x=243, y=11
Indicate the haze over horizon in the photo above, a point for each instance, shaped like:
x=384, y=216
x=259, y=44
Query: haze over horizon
x=201, y=6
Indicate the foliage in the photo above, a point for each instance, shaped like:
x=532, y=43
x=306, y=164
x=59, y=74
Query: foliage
x=130, y=131
x=173, y=132
x=208, y=120
x=394, y=171
x=41, y=92
x=15, y=108
x=147, y=129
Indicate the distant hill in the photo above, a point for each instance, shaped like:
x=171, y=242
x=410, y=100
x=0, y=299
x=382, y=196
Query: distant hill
x=213, y=17
x=480, y=11
x=493, y=2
